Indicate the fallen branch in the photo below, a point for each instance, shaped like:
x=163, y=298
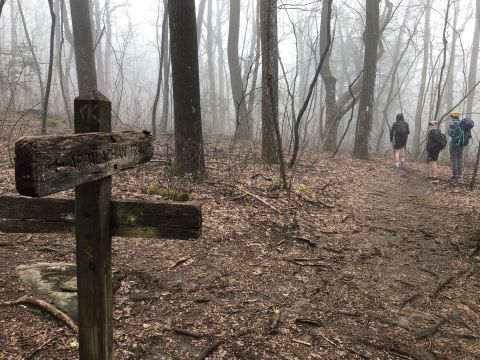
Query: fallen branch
x=44, y=306
x=210, y=349
x=180, y=261
x=301, y=342
x=409, y=299
x=257, y=198
x=32, y=354
x=305, y=321
x=187, y=333
x=443, y=283
x=305, y=240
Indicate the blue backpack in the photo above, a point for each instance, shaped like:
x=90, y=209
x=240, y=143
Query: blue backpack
x=460, y=131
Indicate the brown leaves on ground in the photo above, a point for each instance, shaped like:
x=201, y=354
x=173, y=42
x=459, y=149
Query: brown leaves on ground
x=342, y=266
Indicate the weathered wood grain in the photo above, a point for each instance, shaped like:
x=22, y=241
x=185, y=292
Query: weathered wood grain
x=48, y=164
x=129, y=218
x=94, y=241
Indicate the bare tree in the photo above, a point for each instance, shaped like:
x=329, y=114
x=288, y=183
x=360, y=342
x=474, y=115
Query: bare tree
x=364, y=120
x=268, y=21
x=423, y=81
x=161, y=55
x=472, y=74
x=189, y=158
x=243, y=129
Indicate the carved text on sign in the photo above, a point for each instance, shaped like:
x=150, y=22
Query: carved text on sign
x=48, y=164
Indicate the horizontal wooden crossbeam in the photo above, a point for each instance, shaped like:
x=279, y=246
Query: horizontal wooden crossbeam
x=129, y=218
x=45, y=165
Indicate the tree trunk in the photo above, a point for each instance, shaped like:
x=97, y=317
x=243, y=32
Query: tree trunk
x=84, y=52
x=330, y=83
x=423, y=81
x=98, y=46
x=268, y=21
x=221, y=101
x=364, y=119
x=34, y=56
x=243, y=130
x=472, y=73
x=212, y=91
x=201, y=11
x=50, y=69
x=161, y=55
x=189, y=159
x=64, y=87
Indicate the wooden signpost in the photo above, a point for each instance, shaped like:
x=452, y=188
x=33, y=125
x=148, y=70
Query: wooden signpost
x=48, y=164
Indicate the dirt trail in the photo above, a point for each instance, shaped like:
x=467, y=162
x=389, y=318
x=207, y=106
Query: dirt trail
x=358, y=262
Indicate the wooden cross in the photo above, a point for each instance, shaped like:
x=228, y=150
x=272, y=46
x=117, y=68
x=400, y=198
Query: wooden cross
x=48, y=164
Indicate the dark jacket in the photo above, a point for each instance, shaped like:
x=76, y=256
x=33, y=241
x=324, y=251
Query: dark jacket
x=399, y=124
x=434, y=140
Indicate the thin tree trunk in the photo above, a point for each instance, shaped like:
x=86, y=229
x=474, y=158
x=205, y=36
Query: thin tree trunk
x=34, y=56
x=212, y=93
x=50, y=69
x=325, y=50
x=329, y=80
x=472, y=74
x=371, y=40
x=201, y=11
x=268, y=21
x=161, y=54
x=243, y=131
x=440, y=86
x=166, y=77
x=423, y=81
x=64, y=88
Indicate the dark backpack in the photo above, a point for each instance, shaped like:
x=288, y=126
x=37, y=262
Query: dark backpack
x=466, y=125
x=444, y=142
x=401, y=131
x=460, y=131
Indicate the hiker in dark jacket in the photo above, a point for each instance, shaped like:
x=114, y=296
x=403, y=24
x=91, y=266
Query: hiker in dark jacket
x=434, y=146
x=398, y=137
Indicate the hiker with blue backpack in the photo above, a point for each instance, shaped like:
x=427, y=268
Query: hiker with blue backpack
x=459, y=132
x=398, y=137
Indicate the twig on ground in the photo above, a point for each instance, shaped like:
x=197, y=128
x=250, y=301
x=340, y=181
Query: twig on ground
x=34, y=352
x=409, y=299
x=209, y=349
x=301, y=342
x=180, y=261
x=257, y=198
x=305, y=240
x=187, y=333
x=44, y=306
x=443, y=283
x=305, y=321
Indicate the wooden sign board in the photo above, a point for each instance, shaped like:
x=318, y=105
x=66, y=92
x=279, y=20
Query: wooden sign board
x=128, y=218
x=48, y=164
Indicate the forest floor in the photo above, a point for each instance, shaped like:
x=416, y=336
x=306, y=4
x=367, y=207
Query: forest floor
x=357, y=261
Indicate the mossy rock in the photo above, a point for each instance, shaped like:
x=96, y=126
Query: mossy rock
x=170, y=194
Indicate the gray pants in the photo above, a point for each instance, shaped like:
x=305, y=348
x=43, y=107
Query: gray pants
x=456, y=154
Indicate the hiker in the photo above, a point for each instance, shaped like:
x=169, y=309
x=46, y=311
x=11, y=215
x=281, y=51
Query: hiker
x=398, y=137
x=435, y=143
x=459, y=132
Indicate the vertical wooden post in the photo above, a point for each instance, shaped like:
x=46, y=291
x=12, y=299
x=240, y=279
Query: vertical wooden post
x=93, y=238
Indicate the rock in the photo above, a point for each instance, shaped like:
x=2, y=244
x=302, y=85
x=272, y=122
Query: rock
x=58, y=282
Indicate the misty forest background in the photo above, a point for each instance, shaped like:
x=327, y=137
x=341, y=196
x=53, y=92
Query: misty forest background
x=336, y=88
